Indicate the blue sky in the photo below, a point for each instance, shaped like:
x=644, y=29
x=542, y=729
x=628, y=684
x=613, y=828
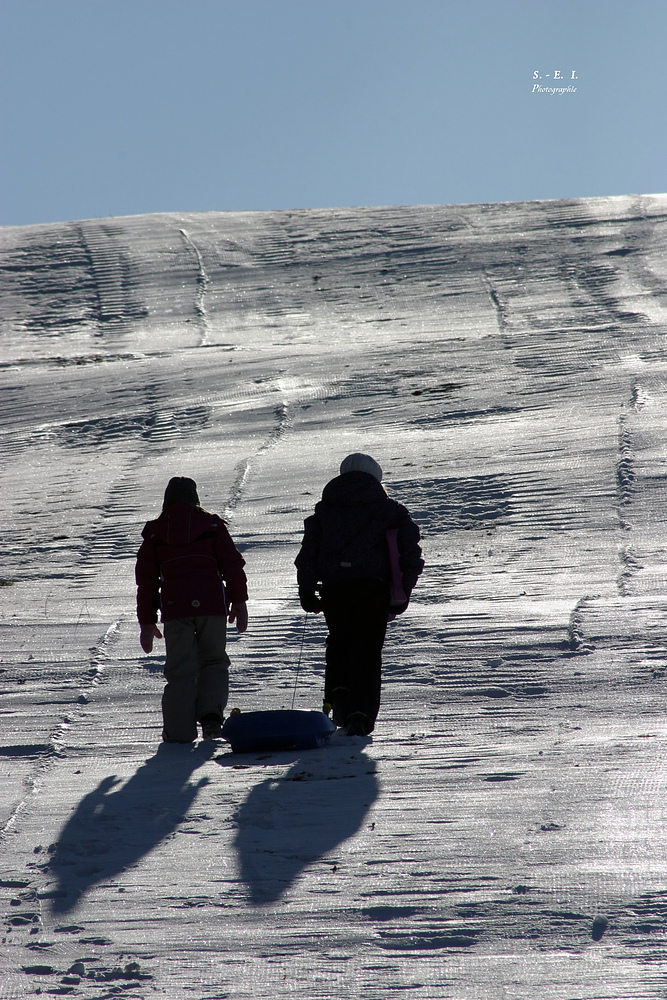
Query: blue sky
x=120, y=107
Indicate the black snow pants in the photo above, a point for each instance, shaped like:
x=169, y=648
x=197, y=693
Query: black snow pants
x=356, y=615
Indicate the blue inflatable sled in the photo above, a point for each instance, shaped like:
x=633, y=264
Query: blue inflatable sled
x=283, y=729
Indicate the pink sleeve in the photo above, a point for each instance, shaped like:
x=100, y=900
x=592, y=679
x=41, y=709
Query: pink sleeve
x=398, y=595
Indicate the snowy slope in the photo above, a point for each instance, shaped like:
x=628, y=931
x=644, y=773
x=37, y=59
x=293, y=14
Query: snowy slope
x=506, y=365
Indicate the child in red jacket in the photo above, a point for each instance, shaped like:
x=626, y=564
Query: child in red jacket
x=189, y=568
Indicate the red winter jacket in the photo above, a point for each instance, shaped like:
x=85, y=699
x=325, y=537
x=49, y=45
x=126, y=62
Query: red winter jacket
x=184, y=558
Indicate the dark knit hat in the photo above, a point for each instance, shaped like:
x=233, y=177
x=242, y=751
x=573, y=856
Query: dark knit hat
x=180, y=489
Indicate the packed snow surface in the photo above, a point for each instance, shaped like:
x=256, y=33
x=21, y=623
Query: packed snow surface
x=503, y=834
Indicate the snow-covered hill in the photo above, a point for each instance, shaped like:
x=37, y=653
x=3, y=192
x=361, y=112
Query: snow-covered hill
x=506, y=366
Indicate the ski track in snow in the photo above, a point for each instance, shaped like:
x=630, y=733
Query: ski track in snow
x=502, y=834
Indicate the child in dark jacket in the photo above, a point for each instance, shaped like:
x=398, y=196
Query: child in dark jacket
x=346, y=555
x=189, y=568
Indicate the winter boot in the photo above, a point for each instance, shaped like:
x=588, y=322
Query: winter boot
x=339, y=701
x=211, y=727
x=358, y=724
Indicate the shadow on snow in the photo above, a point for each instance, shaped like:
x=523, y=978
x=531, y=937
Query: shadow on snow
x=111, y=830
x=284, y=825
x=290, y=822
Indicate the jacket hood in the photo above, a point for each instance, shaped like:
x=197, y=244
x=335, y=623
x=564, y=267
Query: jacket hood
x=352, y=489
x=180, y=524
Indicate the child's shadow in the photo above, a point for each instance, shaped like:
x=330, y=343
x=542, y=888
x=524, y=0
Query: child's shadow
x=288, y=823
x=111, y=830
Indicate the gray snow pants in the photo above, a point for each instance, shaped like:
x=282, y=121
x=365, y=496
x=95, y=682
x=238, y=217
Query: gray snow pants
x=197, y=674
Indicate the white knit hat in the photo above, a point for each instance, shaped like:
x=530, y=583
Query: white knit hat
x=361, y=463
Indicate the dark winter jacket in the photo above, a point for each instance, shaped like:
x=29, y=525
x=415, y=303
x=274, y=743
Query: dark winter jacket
x=186, y=555
x=345, y=539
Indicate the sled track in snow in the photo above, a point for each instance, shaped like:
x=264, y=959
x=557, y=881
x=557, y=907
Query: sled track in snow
x=116, y=288
x=86, y=680
x=202, y=281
